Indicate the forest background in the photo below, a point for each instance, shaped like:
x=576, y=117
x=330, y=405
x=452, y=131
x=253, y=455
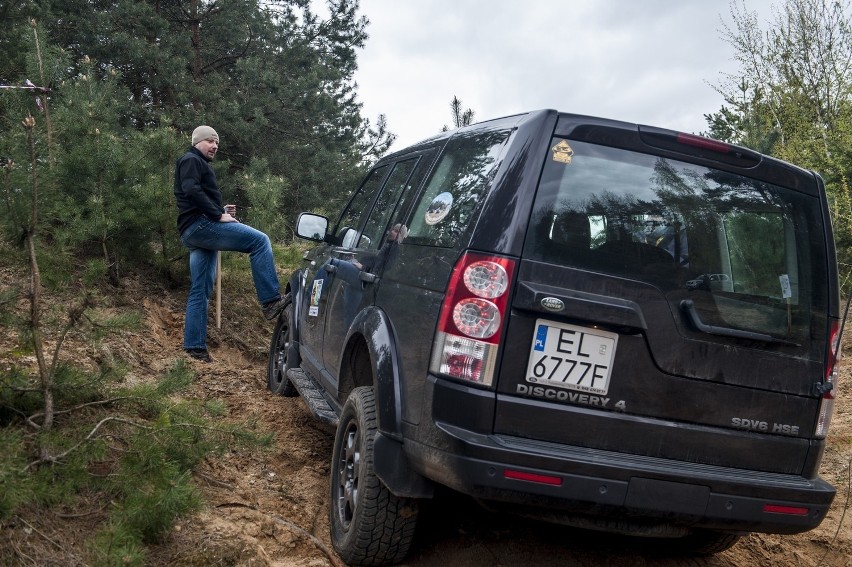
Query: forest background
x=98, y=98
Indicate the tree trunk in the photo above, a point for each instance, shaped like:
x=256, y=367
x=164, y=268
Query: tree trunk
x=45, y=372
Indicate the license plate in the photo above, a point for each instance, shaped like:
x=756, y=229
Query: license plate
x=571, y=357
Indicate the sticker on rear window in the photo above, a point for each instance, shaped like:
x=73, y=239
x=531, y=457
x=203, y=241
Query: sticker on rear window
x=562, y=152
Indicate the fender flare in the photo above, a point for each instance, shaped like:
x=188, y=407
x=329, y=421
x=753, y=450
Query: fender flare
x=374, y=327
x=294, y=288
x=391, y=463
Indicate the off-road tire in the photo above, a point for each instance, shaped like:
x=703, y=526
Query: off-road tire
x=369, y=525
x=276, y=371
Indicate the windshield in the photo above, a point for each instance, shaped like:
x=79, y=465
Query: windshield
x=748, y=254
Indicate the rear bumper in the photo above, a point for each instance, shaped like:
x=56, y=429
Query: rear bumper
x=558, y=479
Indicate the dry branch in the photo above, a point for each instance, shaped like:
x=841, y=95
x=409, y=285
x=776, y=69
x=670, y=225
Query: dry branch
x=46, y=458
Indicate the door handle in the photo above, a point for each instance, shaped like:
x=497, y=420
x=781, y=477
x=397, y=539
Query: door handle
x=367, y=277
x=688, y=307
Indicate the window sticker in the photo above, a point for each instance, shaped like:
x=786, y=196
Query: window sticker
x=439, y=208
x=562, y=152
x=786, y=289
x=316, y=292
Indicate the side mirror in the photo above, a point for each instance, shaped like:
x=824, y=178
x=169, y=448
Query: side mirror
x=312, y=227
x=347, y=237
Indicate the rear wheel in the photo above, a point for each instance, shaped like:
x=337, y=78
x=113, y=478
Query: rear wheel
x=276, y=371
x=369, y=525
x=707, y=542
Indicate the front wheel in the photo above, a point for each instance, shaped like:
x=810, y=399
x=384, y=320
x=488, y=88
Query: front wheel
x=369, y=525
x=276, y=370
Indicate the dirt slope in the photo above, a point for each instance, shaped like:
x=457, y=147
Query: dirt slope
x=269, y=509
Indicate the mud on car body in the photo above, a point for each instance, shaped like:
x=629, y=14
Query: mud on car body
x=592, y=322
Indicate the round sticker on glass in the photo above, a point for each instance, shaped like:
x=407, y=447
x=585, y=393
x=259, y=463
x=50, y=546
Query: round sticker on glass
x=439, y=208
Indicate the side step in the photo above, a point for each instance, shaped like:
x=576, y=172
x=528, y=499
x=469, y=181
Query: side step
x=312, y=394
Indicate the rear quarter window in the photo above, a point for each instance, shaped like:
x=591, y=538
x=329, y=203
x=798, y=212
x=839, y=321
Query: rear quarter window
x=456, y=188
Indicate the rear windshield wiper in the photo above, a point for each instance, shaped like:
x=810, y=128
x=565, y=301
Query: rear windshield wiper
x=688, y=306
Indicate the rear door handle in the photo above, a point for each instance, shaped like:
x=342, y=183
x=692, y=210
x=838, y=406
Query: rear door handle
x=688, y=307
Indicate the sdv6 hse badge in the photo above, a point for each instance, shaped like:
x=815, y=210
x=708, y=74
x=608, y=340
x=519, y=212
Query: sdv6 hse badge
x=552, y=304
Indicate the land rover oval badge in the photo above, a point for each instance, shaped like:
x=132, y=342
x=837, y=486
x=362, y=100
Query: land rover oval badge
x=552, y=304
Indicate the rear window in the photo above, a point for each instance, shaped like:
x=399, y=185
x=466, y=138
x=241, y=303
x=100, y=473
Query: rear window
x=749, y=254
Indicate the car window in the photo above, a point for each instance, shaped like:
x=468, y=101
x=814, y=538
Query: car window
x=741, y=249
x=456, y=187
x=387, y=203
x=347, y=226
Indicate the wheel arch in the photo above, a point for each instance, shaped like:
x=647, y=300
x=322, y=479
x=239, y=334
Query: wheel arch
x=370, y=358
x=294, y=288
x=371, y=342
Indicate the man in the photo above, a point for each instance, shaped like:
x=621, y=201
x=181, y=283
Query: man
x=206, y=227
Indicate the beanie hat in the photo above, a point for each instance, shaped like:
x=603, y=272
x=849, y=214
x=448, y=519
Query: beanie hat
x=204, y=133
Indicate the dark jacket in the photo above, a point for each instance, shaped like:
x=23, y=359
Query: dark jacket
x=196, y=190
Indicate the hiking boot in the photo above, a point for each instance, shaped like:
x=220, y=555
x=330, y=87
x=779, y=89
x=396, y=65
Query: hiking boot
x=199, y=354
x=271, y=309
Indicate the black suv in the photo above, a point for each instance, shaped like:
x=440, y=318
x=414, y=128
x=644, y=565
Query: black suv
x=606, y=325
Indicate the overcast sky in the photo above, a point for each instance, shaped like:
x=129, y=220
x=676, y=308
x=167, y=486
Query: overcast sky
x=644, y=61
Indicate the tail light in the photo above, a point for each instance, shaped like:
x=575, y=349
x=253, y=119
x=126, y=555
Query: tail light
x=829, y=386
x=471, y=322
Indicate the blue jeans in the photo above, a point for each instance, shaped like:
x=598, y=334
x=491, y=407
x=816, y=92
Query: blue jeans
x=205, y=238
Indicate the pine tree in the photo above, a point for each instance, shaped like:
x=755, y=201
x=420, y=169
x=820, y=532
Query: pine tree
x=792, y=96
x=460, y=117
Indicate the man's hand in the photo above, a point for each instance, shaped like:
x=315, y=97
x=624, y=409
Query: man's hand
x=228, y=215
